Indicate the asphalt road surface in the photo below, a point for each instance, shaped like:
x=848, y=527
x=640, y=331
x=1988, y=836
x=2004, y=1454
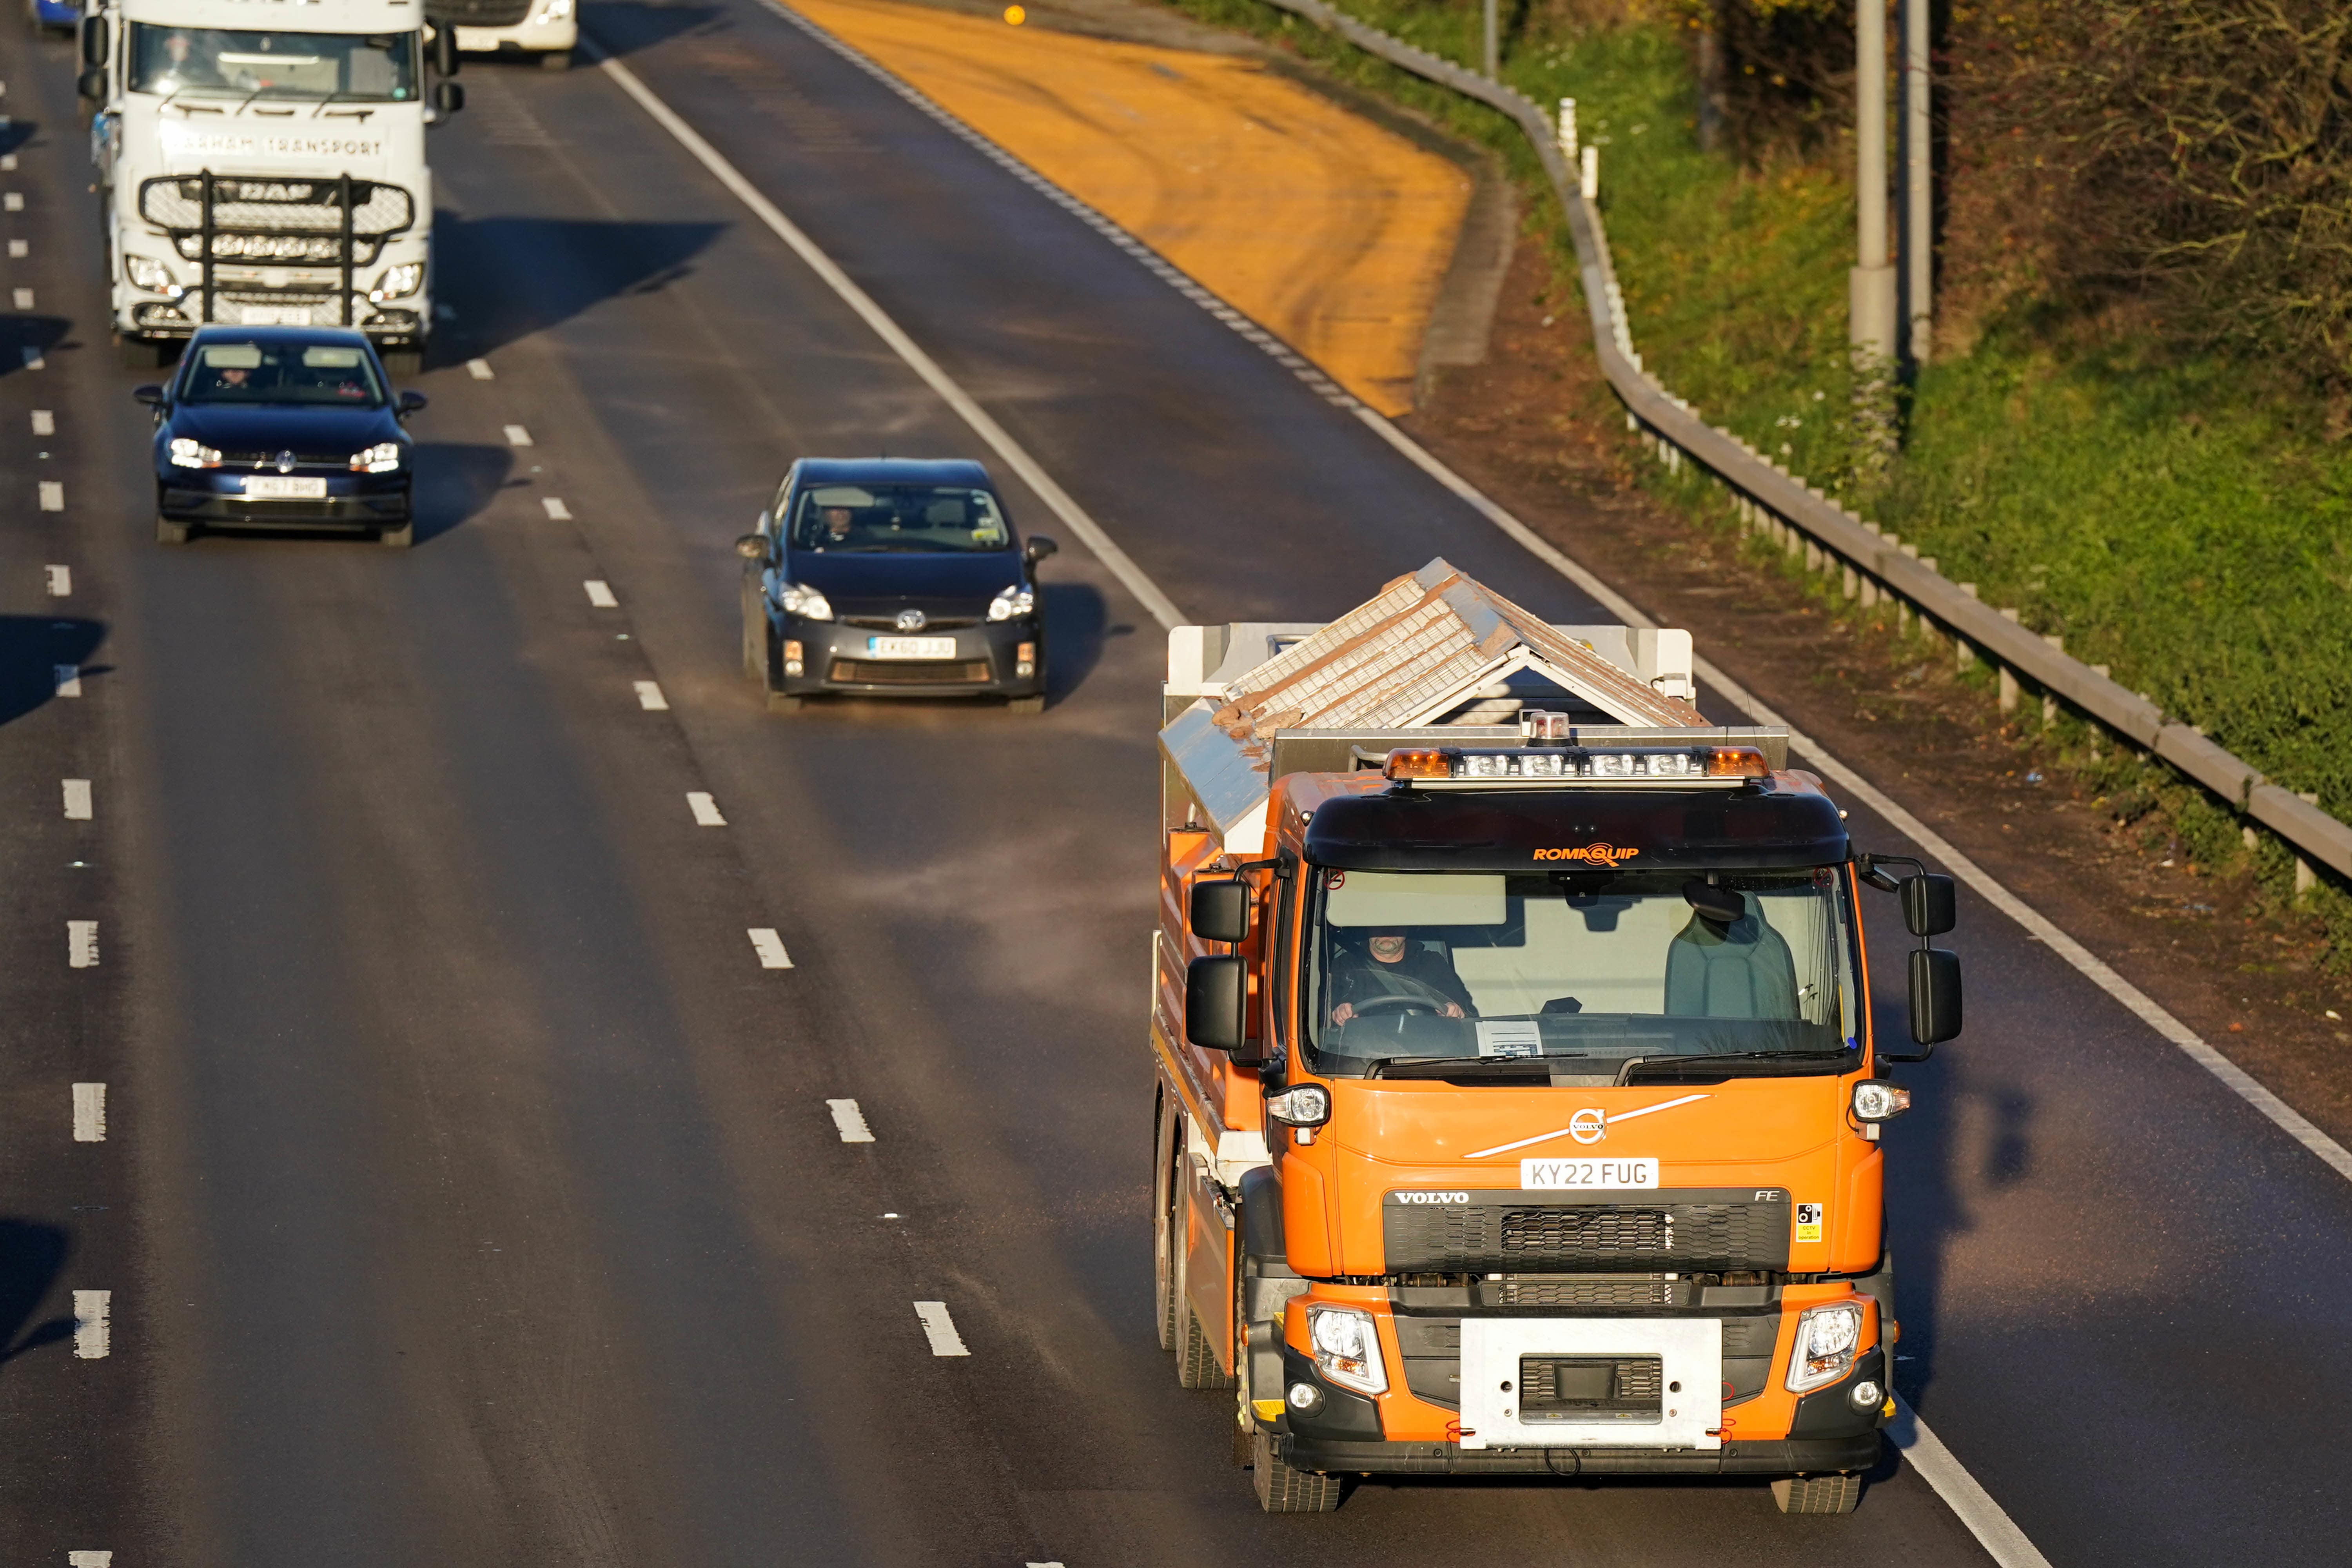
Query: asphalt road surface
x=469, y=1191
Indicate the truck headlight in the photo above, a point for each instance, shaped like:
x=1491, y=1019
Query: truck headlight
x=554, y=10
x=187, y=454
x=1308, y=1105
x=1825, y=1340
x=384, y=458
x=145, y=272
x=1876, y=1101
x=1017, y=600
x=805, y=602
x=398, y=282
x=1348, y=1347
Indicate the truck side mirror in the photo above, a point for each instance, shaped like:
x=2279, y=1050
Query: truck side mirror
x=1214, y=994
x=1934, y=995
x=1038, y=549
x=1929, y=905
x=449, y=98
x=445, y=49
x=94, y=48
x=1221, y=910
x=92, y=84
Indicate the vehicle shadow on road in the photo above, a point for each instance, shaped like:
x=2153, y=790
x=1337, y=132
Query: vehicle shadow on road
x=32, y=650
x=32, y=1255
x=623, y=30
x=1074, y=630
x=508, y=277
x=455, y=481
x=37, y=336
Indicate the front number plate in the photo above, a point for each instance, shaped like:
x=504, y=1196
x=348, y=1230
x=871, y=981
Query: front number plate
x=276, y=315
x=910, y=648
x=263, y=488
x=1587, y=1174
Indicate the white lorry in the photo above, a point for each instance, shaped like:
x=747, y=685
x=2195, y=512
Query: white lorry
x=544, y=30
x=262, y=162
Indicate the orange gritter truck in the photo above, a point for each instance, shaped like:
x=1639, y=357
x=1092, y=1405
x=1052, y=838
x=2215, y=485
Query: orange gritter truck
x=1518, y=1104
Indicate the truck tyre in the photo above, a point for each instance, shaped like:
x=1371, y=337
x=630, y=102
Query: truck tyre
x=1163, y=1185
x=169, y=533
x=399, y=538
x=1281, y=1489
x=1817, y=1494
x=1196, y=1353
x=555, y=60
x=1025, y=705
x=403, y=361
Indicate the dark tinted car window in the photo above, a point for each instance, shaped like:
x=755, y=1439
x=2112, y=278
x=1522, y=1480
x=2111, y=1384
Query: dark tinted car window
x=231, y=371
x=873, y=519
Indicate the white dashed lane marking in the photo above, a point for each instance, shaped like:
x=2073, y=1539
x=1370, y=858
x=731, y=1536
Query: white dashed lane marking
x=60, y=580
x=81, y=944
x=68, y=681
x=650, y=698
x=80, y=808
x=93, y=1313
x=940, y=1328
x=44, y=421
x=13, y=201
x=33, y=360
x=21, y=297
x=480, y=369
x=89, y=1112
x=705, y=809
x=556, y=509
x=517, y=436
x=770, y=948
x=53, y=495
x=7, y=162
x=19, y=248
x=600, y=594
x=850, y=1122
x=89, y=1559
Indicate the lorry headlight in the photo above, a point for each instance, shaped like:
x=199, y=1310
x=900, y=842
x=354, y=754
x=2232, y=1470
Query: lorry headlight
x=1825, y=1340
x=1348, y=1347
x=384, y=458
x=1308, y=1105
x=1017, y=600
x=1877, y=1101
x=147, y=273
x=554, y=10
x=398, y=282
x=187, y=454
x=805, y=602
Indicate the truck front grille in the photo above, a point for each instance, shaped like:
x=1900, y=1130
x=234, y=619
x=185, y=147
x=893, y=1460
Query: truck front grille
x=1580, y=1290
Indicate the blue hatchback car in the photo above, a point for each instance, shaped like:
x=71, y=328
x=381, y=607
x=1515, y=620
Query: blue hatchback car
x=52, y=15
x=281, y=427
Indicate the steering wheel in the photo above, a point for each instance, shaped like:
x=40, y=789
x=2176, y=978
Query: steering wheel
x=1398, y=1005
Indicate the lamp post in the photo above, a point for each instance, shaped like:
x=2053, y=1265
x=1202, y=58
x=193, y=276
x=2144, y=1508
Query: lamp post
x=1918, y=189
x=1494, y=54
x=1872, y=297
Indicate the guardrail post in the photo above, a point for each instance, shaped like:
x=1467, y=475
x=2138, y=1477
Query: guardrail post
x=2306, y=878
x=2049, y=699
x=1852, y=580
x=1588, y=180
x=2007, y=676
x=1963, y=655
x=1568, y=131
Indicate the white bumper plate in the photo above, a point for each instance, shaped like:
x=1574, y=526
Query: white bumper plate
x=1688, y=1417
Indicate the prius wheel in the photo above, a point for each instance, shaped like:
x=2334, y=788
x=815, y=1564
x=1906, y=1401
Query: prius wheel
x=778, y=702
x=169, y=533
x=1025, y=705
x=1817, y=1494
x=399, y=538
x=1281, y=1489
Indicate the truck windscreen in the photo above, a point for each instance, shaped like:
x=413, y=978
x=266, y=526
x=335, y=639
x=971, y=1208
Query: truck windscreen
x=1591, y=973
x=360, y=68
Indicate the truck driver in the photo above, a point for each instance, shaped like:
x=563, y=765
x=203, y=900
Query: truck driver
x=1390, y=963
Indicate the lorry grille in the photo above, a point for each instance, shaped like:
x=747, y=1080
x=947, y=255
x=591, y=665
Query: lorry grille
x=1512, y=1234
x=1589, y=1388
x=267, y=207
x=1574, y=1291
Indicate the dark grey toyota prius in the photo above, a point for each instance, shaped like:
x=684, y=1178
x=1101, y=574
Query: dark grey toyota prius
x=890, y=576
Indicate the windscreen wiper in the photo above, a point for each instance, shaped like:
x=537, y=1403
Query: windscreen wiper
x=1757, y=1064
x=1477, y=1066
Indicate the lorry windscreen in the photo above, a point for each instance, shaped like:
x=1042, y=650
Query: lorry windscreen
x=357, y=67
x=1591, y=973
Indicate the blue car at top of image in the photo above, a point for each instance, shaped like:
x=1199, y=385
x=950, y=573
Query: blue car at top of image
x=282, y=427
x=52, y=15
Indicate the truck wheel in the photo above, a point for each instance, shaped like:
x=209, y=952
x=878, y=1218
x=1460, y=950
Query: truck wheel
x=1196, y=1354
x=1281, y=1489
x=779, y=703
x=1163, y=1267
x=169, y=533
x=1025, y=705
x=399, y=538
x=1817, y=1494
x=403, y=361
x=555, y=60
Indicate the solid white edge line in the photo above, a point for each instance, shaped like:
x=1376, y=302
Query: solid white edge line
x=93, y=1313
x=79, y=804
x=849, y=1121
x=705, y=807
x=89, y=1112
x=1971, y=1503
x=940, y=1328
x=1058, y=501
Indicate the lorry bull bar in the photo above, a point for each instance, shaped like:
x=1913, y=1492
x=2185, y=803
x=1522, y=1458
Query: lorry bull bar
x=299, y=222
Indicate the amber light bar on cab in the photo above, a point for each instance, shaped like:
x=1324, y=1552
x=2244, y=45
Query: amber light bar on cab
x=1684, y=767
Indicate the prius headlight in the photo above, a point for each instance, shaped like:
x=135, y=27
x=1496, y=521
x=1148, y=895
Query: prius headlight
x=398, y=282
x=384, y=458
x=1348, y=1347
x=1825, y=1340
x=187, y=454
x=1015, y=602
x=804, y=602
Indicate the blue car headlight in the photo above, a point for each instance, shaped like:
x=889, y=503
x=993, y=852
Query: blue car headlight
x=188, y=454
x=384, y=458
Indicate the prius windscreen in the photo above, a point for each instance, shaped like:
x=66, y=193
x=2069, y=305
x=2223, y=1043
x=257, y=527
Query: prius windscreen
x=1594, y=970
x=880, y=519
